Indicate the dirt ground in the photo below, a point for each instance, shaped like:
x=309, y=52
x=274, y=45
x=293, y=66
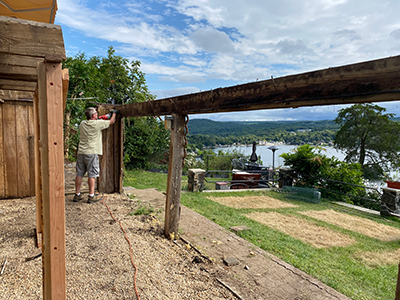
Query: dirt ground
x=98, y=259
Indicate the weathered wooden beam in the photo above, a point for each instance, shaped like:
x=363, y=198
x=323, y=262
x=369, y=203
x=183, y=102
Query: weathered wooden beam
x=22, y=37
x=52, y=170
x=65, y=81
x=371, y=81
x=17, y=85
x=19, y=60
x=176, y=152
x=38, y=173
x=18, y=73
x=9, y=95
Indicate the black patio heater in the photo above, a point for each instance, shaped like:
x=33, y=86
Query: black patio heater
x=273, y=149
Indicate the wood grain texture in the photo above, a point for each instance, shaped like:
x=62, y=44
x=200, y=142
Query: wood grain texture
x=52, y=169
x=10, y=146
x=38, y=173
x=31, y=142
x=2, y=158
x=22, y=143
x=172, y=205
x=21, y=37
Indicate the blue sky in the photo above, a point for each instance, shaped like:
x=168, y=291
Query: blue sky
x=186, y=46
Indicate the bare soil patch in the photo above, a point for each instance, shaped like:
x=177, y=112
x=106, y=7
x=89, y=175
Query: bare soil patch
x=361, y=225
x=304, y=230
x=375, y=259
x=251, y=202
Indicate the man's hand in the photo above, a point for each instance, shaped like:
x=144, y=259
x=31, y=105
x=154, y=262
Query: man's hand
x=114, y=111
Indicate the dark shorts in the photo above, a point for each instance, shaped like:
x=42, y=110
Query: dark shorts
x=87, y=163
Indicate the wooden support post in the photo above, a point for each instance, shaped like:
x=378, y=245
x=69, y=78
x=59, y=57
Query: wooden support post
x=50, y=91
x=38, y=174
x=176, y=152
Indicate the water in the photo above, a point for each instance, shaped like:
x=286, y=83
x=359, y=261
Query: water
x=266, y=155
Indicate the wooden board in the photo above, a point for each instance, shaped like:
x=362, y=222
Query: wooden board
x=109, y=160
x=31, y=142
x=22, y=142
x=2, y=158
x=38, y=176
x=8, y=95
x=102, y=180
x=10, y=146
x=52, y=170
x=20, y=60
x=29, y=38
x=18, y=73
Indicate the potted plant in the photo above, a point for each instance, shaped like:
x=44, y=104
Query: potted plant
x=393, y=180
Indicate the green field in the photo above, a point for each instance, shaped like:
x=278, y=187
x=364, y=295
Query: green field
x=339, y=267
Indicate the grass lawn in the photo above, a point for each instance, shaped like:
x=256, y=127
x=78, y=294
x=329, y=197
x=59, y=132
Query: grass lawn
x=341, y=267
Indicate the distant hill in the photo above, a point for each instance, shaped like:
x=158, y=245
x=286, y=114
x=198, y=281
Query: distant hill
x=209, y=133
x=206, y=126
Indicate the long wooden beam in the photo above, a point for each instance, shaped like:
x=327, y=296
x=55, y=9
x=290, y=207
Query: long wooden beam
x=31, y=39
x=17, y=85
x=372, y=81
x=50, y=96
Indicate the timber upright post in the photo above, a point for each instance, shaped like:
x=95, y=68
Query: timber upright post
x=51, y=145
x=176, y=156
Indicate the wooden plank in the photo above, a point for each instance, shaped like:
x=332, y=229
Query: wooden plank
x=20, y=60
x=10, y=143
x=18, y=73
x=29, y=38
x=371, y=81
x=121, y=155
x=110, y=160
x=102, y=180
x=8, y=95
x=172, y=205
x=31, y=142
x=2, y=170
x=116, y=144
x=65, y=81
x=22, y=136
x=52, y=169
x=38, y=173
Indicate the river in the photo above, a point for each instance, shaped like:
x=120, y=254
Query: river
x=266, y=154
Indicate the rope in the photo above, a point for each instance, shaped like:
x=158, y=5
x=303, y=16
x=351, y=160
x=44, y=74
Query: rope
x=130, y=245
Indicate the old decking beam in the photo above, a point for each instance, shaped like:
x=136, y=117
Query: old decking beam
x=31, y=38
x=371, y=81
x=176, y=156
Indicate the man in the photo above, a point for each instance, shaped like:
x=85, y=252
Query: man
x=90, y=147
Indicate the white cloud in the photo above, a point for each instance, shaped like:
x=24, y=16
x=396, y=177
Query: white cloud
x=212, y=40
x=185, y=42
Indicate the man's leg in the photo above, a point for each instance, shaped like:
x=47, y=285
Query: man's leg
x=78, y=184
x=91, y=183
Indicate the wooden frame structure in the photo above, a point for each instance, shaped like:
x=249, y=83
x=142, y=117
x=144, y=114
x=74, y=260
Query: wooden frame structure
x=30, y=67
x=31, y=54
x=371, y=81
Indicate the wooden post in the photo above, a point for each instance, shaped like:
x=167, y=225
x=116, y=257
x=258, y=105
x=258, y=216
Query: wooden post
x=176, y=151
x=50, y=90
x=38, y=174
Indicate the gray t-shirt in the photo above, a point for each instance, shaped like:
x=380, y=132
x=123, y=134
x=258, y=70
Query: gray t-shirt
x=91, y=139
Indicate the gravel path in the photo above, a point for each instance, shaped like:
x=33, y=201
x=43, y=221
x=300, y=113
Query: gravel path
x=98, y=261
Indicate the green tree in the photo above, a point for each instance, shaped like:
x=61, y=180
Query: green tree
x=336, y=179
x=369, y=137
x=115, y=80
